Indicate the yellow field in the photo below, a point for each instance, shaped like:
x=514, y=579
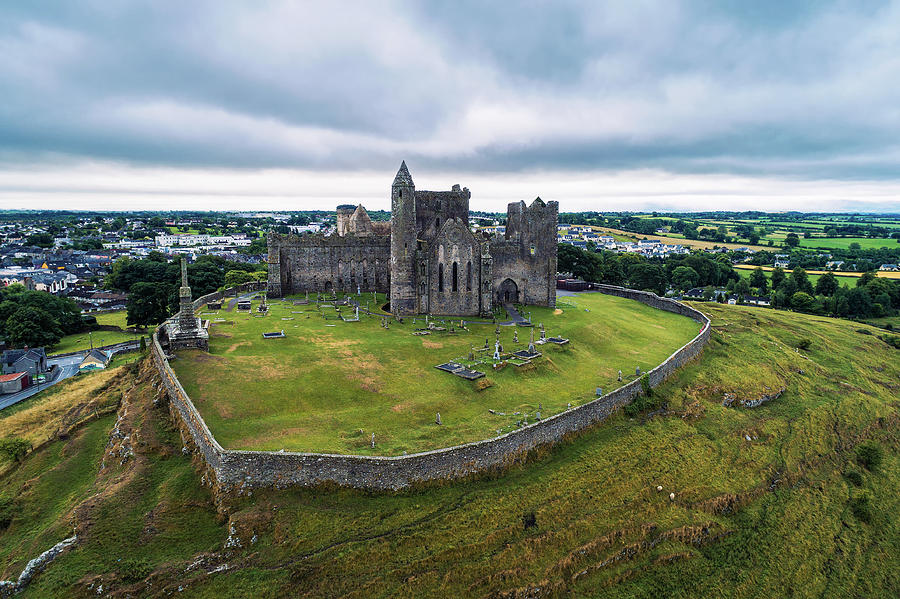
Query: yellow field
x=886, y=274
x=692, y=243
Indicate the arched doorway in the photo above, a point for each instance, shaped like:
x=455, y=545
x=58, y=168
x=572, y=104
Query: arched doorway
x=508, y=292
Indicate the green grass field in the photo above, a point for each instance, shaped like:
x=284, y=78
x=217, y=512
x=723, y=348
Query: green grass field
x=764, y=498
x=269, y=394
x=80, y=341
x=844, y=243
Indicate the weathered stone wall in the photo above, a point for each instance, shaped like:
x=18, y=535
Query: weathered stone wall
x=454, y=246
x=281, y=469
x=527, y=254
x=319, y=263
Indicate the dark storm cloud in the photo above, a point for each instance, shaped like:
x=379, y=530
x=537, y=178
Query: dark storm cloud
x=806, y=90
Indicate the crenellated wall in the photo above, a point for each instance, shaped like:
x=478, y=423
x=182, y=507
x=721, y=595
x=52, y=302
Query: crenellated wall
x=283, y=469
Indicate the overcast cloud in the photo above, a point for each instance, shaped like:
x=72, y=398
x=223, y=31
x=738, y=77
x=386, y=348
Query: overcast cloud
x=601, y=105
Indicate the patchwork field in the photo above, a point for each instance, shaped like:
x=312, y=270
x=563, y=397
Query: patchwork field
x=328, y=385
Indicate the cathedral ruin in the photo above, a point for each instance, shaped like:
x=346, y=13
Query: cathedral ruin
x=427, y=259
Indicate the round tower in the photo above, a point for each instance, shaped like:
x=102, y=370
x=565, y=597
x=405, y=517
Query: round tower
x=403, y=243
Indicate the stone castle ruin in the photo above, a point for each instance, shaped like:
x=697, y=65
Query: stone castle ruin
x=426, y=259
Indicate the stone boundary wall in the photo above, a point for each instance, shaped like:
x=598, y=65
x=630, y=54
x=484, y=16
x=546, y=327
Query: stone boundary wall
x=283, y=469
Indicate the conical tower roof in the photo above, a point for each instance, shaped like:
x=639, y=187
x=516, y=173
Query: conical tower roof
x=403, y=178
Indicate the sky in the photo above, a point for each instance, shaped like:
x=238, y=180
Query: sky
x=631, y=105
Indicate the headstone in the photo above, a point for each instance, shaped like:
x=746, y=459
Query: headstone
x=358, y=291
x=515, y=336
x=497, y=350
x=373, y=440
x=538, y=415
x=543, y=333
x=599, y=392
x=637, y=371
x=620, y=376
x=486, y=343
x=438, y=419
x=497, y=331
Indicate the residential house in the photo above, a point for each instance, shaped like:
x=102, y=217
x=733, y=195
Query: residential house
x=32, y=361
x=14, y=382
x=94, y=360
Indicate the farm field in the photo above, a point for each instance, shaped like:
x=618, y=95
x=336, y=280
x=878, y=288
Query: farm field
x=692, y=243
x=839, y=274
x=769, y=501
x=844, y=243
x=328, y=385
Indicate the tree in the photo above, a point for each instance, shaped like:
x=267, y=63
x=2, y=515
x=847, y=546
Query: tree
x=777, y=277
x=648, y=276
x=42, y=240
x=865, y=279
x=803, y=302
x=29, y=325
x=684, y=278
x=855, y=246
x=742, y=288
x=753, y=238
x=758, y=280
x=148, y=303
x=799, y=276
x=233, y=278
x=859, y=303
x=827, y=284
x=792, y=240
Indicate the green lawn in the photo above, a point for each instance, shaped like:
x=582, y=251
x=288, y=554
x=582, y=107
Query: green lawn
x=80, y=341
x=330, y=384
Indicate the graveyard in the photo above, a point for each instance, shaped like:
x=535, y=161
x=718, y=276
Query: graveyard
x=319, y=375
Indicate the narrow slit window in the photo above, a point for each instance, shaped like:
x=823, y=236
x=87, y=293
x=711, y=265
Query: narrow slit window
x=455, y=277
x=440, y=277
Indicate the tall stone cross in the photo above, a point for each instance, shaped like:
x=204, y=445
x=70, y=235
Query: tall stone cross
x=184, y=281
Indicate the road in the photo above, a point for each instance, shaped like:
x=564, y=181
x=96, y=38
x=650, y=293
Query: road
x=68, y=367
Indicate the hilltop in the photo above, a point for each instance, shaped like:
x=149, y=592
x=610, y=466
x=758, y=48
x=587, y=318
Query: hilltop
x=784, y=498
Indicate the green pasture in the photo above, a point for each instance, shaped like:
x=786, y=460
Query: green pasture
x=844, y=243
x=330, y=384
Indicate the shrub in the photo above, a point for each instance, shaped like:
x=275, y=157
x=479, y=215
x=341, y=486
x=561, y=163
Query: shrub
x=645, y=385
x=804, y=344
x=14, y=448
x=854, y=476
x=6, y=513
x=864, y=331
x=891, y=340
x=134, y=570
x=529, y=520
x=869, y=455
x=861, y=506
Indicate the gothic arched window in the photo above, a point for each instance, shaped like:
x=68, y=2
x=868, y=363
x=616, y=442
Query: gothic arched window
x=440, y=277
x=469, y=276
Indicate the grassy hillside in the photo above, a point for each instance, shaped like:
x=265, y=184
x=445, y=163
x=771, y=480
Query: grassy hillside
x=769, y=501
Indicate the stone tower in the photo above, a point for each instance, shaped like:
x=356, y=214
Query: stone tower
x=403, y=243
